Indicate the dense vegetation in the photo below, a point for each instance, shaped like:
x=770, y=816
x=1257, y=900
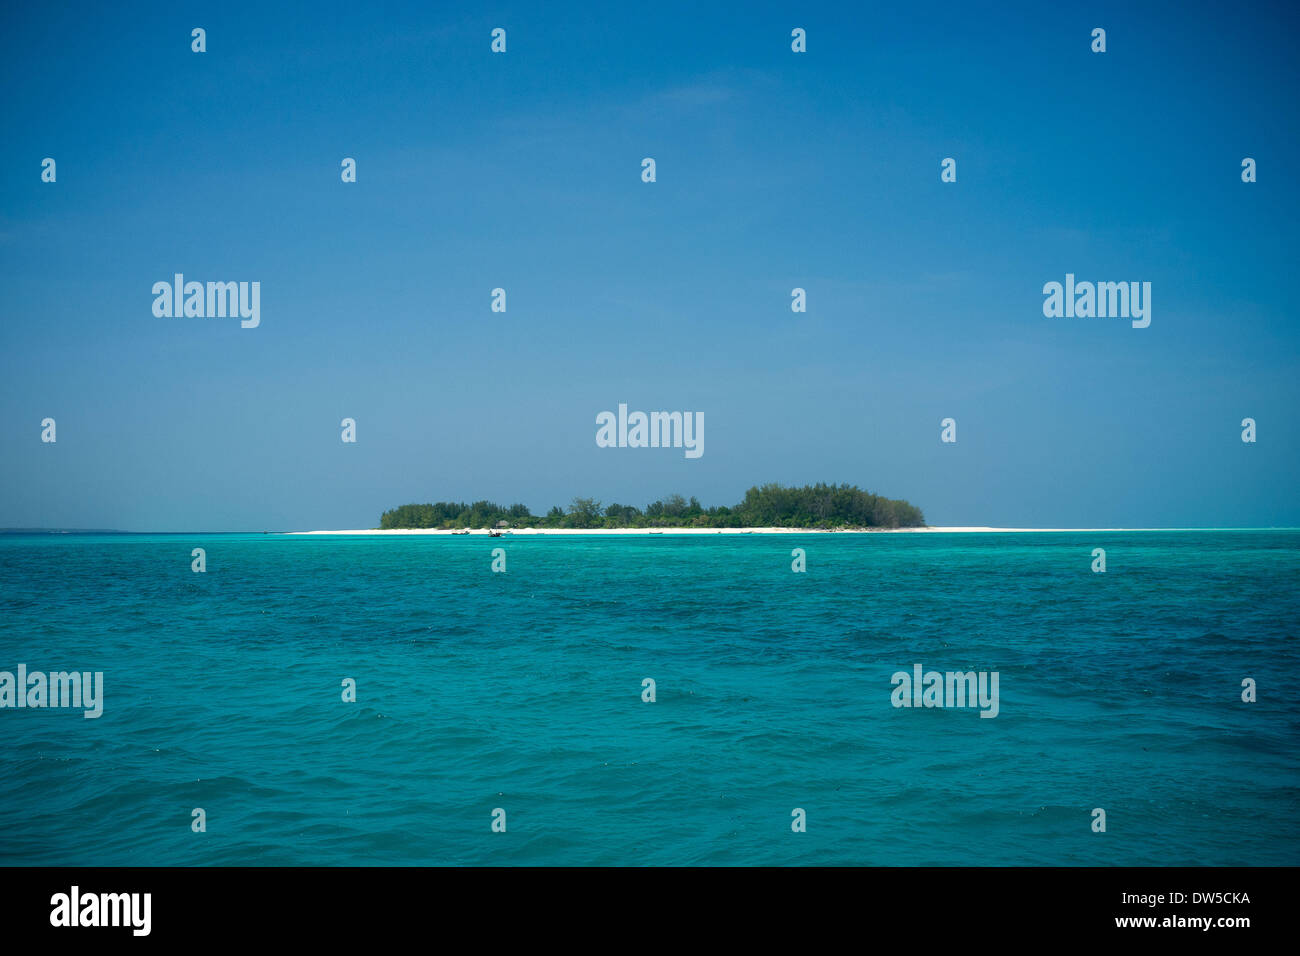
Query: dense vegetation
x=812, y=506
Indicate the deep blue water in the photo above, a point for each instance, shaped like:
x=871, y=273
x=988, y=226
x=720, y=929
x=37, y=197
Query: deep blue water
x=522, y=690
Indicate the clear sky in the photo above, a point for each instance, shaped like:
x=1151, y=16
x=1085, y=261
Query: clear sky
x=522, y=170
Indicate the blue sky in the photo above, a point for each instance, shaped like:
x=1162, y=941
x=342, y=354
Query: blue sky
x=522, y=171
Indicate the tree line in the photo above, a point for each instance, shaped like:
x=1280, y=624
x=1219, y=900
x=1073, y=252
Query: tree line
x=765, y=506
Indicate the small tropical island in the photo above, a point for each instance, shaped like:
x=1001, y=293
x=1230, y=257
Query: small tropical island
x=814, y=507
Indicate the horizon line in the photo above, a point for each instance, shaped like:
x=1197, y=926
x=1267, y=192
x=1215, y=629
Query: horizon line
x=929, y=529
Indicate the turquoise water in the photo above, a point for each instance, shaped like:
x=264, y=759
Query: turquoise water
x=522, y=690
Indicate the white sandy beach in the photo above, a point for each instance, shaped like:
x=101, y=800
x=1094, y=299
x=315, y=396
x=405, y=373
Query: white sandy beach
x=616, y=531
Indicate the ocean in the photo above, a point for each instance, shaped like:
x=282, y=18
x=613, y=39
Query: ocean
x=479, y=691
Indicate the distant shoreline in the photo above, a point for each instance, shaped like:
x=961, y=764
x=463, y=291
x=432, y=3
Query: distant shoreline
x=514, y=532
x=72, y=533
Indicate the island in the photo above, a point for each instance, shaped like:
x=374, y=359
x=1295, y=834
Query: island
x=814, y=507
